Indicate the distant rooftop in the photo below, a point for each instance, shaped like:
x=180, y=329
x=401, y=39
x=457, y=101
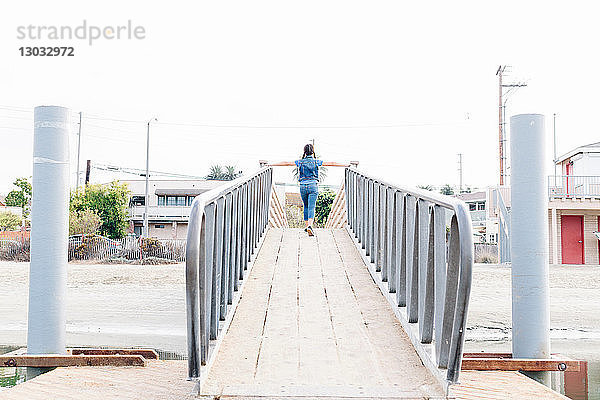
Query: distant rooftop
x=588, y=148
x=471, y=196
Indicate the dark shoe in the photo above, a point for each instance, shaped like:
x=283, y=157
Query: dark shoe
x=310, y=231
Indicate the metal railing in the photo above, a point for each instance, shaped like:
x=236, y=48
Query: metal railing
x=422, y=266
x=503, y=228
x=568, y=186
x=225, y=227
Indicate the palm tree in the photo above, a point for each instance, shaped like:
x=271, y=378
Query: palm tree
x=231, y=173
x=215, y=173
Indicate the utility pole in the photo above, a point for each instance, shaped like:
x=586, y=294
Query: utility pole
x=555, y=158
x=88, y=168
x=146, y=198
x=460, y=173
x=502, y=69
x=78, y=152
x=500, y=123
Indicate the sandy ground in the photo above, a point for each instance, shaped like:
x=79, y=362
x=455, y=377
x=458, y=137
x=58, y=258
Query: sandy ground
x=111, y=305
x=574, y=302
x=127, y=305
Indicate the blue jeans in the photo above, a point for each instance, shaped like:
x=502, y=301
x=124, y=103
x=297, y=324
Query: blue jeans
x=309, y=193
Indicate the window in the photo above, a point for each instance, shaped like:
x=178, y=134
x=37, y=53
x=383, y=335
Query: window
x=157, y=226
x=481, y=205
x=181, y=200
x=161, y=200
x=472, y=206
x=171, y=200
x=138, y=201
x=190, y=199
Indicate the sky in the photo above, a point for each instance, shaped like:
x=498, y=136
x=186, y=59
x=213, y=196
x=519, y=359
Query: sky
x=402, y=87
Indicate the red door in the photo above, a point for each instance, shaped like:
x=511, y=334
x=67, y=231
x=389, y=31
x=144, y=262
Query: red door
x=571, y=239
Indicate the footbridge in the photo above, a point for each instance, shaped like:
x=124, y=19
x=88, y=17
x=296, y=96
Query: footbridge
x=374, y=305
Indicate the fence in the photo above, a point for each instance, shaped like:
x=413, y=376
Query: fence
x=577, y=186
x=94, y=247
x=225, y=228
x=426, y=277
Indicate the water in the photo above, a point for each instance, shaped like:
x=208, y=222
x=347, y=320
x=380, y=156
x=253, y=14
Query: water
x=578, y=349
x=574, y=315
x=10, y=376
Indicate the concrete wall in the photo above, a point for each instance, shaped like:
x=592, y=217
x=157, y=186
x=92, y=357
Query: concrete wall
x=171, y=230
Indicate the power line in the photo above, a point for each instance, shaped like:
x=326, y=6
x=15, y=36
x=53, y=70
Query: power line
x=140, y=172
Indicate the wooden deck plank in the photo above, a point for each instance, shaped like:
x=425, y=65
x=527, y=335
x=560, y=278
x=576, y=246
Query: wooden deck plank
x=164, y=380
x=56, y=360
x=500, y=385
x=314, y=322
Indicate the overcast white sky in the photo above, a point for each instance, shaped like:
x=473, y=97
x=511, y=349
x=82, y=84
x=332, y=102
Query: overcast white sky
x=425, y=68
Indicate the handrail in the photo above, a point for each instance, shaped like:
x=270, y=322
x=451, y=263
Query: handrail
x=573, y=186
x=403, y=233
x=503, y=228
x=225, y=227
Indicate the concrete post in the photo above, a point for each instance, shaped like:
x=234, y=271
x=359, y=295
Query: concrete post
x=529, y=242
x=49, y=231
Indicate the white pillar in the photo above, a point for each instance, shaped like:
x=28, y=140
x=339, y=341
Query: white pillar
x=49, y=231
x=529, y=242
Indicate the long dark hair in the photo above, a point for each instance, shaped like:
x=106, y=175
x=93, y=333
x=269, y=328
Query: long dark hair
x=309, y=150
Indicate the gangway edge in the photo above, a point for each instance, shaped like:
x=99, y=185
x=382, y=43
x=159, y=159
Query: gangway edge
x=418, y=248
x=225, y=230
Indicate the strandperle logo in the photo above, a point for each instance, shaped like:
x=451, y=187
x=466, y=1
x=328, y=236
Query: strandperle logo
x=89, y=33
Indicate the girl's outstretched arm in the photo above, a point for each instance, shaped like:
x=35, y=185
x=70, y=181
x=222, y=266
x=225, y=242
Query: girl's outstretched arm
x=335, y=164
x=283, y=164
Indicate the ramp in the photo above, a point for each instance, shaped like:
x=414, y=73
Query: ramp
x=312, y=323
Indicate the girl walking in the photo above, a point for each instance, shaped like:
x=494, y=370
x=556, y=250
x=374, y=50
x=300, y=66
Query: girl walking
x=308, y=178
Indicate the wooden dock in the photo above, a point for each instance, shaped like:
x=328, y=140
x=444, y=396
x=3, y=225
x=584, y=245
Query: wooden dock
x=311, y=324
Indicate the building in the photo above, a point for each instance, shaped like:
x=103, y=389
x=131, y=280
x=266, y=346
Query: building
x=477, y=202
x=168, y=207
x=574, y=207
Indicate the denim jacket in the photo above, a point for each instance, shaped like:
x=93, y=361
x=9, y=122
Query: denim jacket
x=308, y=170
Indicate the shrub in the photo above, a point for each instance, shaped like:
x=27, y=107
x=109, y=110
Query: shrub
x=323, y=208
x=9, y=221
x=86, y=222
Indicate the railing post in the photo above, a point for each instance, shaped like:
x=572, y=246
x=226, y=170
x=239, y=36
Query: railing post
x=227, y=287
x=439, y=237
x=208, y=282
x=397, y=239
x=238, y=238
x=194, y=249
x=382, y=259
x=218, y=268
x=412, y=269
x=426, y=271
x=376, y=242
x=390, y=238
